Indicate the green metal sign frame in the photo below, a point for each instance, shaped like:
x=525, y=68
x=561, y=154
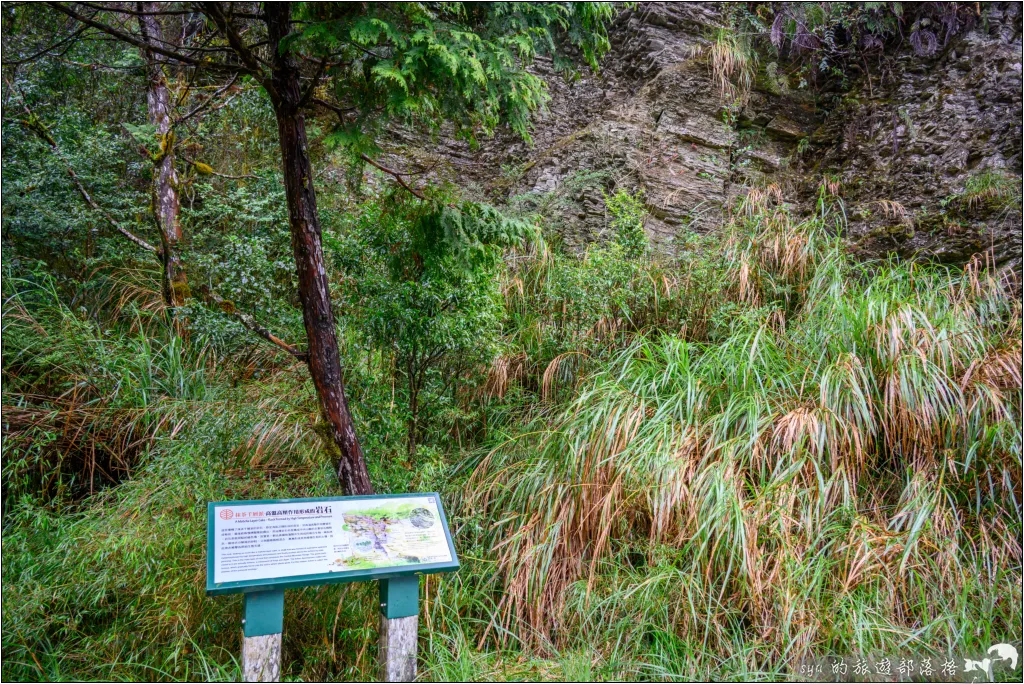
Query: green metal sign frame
x=295, y=581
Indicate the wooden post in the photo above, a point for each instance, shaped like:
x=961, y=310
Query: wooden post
x=399, y=623
x=261, y=658
x=261, y=648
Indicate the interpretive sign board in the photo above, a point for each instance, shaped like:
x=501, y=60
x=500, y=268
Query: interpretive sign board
x=285, y=543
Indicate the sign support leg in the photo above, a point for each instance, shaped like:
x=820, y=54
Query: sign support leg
x=261, y=648
x=399, y=623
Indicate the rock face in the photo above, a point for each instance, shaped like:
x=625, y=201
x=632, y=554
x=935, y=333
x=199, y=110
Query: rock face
x=904, y=139
x=919, y=131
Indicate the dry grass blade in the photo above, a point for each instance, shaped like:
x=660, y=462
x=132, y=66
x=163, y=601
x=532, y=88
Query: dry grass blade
x=559, y=371
x=894, y=210
x=732, y=65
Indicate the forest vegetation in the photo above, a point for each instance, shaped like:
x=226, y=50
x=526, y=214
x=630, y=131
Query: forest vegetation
x=221, y=282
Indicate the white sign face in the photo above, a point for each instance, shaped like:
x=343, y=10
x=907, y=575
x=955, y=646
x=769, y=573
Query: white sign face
x=269, y=541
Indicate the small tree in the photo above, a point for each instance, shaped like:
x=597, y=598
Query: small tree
x=628, y=214
x=424, y=288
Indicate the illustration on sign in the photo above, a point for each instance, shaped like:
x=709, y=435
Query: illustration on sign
x=270, y=540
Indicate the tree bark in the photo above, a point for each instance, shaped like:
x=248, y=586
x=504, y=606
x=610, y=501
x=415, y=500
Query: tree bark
x=414, y=407
x=166, y=204
x=304, y=221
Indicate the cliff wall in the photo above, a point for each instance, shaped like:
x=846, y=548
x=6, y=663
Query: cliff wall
x=905, y=135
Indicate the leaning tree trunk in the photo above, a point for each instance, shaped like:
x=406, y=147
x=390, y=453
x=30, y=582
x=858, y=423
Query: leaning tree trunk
x=304, y=221
x=166, y=205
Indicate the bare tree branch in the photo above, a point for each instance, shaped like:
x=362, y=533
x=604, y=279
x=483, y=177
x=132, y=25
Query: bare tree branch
x=203, y=105
x=60, y=43
x=253, y=325
x=119, y=8
x=138, y=42
x=337, y=109
x=394, y=174
x=215, y=11
x=312, y=84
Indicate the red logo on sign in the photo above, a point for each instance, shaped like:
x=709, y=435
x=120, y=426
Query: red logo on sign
x=226, y=514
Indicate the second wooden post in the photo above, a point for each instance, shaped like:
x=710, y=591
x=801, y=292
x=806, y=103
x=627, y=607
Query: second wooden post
x=399, y=624
x=262, y=625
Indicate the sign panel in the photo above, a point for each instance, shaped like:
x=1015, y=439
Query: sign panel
x=298, y=542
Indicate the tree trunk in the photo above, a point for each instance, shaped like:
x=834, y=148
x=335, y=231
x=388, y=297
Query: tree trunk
x=414, y=396
x=314, y=291
x=166, y=205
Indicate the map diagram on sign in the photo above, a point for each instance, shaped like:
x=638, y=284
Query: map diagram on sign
x=394, y=533
x=288, y=539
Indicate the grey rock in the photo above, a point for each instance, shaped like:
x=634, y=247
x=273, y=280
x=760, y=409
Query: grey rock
x=914, y=130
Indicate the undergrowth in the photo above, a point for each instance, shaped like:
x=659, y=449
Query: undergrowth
x=699, y=467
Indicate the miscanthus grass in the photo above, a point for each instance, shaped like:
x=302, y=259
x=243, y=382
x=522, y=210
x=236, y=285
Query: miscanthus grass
x=838, y=472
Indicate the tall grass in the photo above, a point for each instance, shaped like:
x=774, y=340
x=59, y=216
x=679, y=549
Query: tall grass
x=840, y=472
x=103, y=576
x=116, y=435
x=732, y=63
x=85, y=399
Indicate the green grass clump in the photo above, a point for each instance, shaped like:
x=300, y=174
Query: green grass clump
x=992, y=190
x=115, y=440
